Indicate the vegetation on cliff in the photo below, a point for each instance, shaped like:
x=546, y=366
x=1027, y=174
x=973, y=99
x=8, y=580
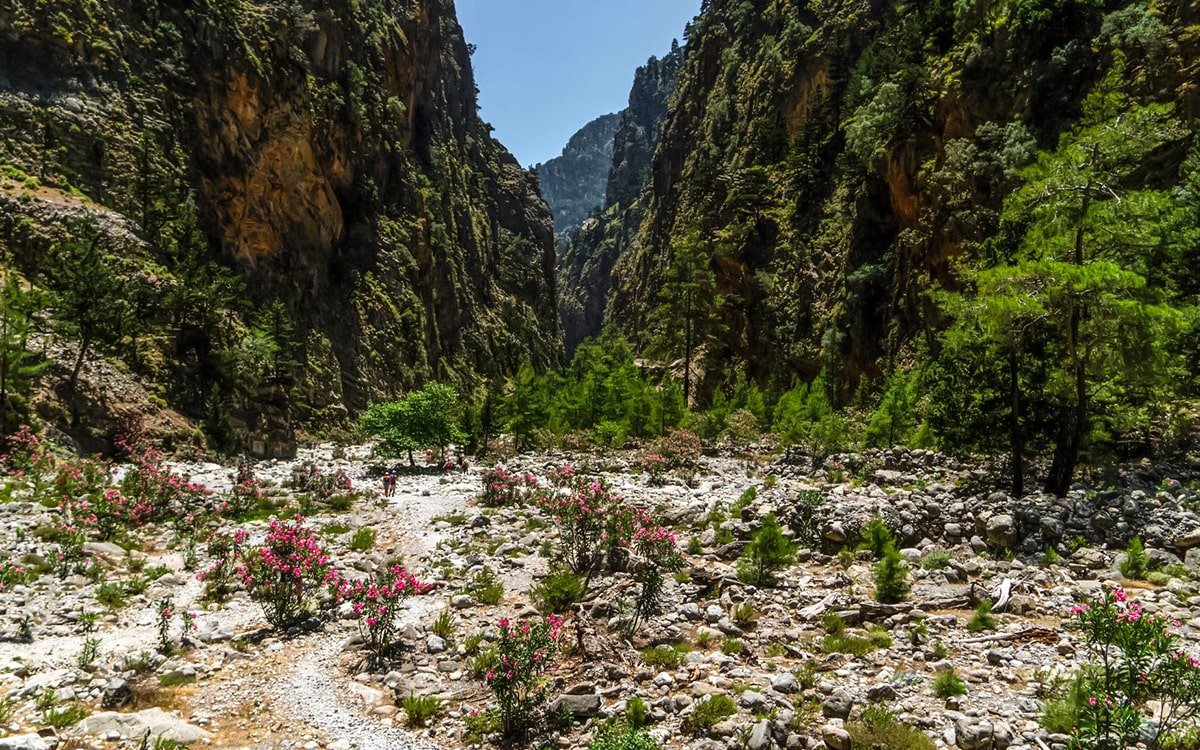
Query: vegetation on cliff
x=301, y=207
x=954, y=223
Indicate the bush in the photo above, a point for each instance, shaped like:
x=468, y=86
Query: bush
x=833, y=623
x=283, y=573
x=486, y=588
x=376, y=602
x=1135, y=660
x=111, y=595
x=891, y=577
x=363, y=540
x=419, y=710
x=879, y=729
x=983, y=619
x=1061, y=715
x=558, y=591
x=502, y=488
x=628, y=738
x=707, y=714
x=637, y=713
x=664, y=656
x=768, y=552
x=936, y=560
x=745, y=615
x=876, y=537
x=948, y=683
x=843, y=642
x=1136, y=564
x=679, y=448
x=524, y=654
x=610, y=434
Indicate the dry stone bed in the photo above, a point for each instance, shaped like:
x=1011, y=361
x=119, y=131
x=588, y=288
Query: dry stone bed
x=769, y=650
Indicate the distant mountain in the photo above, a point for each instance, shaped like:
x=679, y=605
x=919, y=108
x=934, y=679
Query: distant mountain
x=574, y=184
x=586, y=258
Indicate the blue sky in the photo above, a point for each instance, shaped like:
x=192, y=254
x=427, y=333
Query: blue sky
x=545, y=68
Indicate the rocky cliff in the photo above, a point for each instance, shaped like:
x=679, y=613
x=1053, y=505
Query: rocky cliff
x=573, y=184
x=324, y=158
x=587, y=256
x=835, y=159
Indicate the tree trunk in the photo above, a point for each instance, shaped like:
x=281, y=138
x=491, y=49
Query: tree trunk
x=1016, y=434
x=687, y=351
x=83, y=348
x=1073, y=423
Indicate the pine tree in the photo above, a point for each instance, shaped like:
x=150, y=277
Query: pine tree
x=91, y=298
x=768, y=552
x=1074, y=284
x=19, y=366
x=891, y=577
x=687, y=316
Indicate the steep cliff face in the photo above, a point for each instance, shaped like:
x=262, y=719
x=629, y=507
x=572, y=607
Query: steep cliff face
x=586, y=258
x=834, y=158
x=326, y=155
x=573, y=184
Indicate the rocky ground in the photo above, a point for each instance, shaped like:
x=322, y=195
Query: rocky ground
x=234, y=683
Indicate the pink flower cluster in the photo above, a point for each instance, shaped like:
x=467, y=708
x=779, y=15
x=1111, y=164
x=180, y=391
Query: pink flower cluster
x=525, y=652
x=284, y=572
x=501, y=487
x=376, y=602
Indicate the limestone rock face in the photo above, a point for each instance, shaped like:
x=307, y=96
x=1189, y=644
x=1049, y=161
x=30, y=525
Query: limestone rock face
x=573, y=184
x=327, y=155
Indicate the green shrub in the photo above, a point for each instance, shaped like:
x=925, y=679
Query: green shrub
x=983, y=619
x=744, y=500
x=624, y=738
x=948, y=683
x=833, y=623
x=664, y=656
x=486, y=588
x=879, y=729
x=60, y=718
x=343, y=502
x=637, y=713
x=891, y=577
x=842, y=642
x=420, y=709
x=745, y=615
x=708, y=713
x=1136, y=564
x=936, y=560
x=443, y=626
x=732, y=646
x=558, y=591
x=767, y=553
x=693, y=546
x=1061, y=715
x=363, y=540
x=877, y=537
x=111, y=595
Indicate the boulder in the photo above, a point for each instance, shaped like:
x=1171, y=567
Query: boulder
x=835, y=737
x=973, y=734
x=1001, y=531
x=153, y=722
x=117, y=693
x=580, y=706
x=24, y=742
x=838, y=705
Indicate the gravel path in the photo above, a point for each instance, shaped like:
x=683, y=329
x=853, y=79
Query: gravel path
x=309, y=692
x=312, y=690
